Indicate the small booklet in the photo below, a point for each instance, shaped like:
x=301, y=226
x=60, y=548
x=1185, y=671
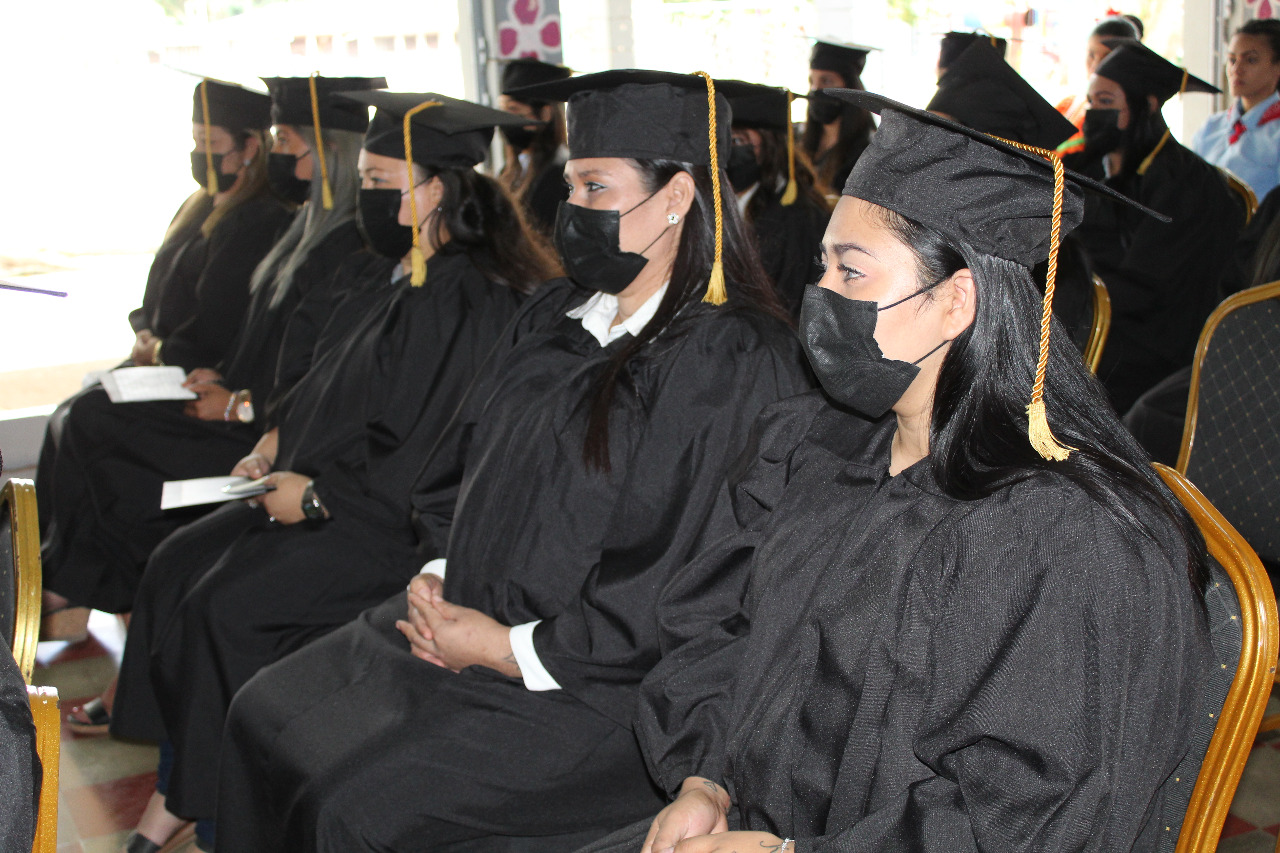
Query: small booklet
x=140, y=384
x=205, y=490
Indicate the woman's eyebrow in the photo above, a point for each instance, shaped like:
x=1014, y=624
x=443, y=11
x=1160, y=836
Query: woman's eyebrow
x=841, y=248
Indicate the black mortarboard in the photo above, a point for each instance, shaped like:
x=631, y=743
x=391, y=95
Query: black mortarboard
x=291, y=101
x=955, y=43
x=1139, y=69
x=518, y=73
x=644, y=115
x=232, y=107
x=648, y=115
x=982, y=91
x=1008, y=201
x=438, y=132
x=847, y=60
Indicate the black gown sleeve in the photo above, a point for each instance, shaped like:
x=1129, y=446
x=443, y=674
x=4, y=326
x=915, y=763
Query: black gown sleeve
x=1057, y=639
x=698, y=420
x=236, y=246
x=684, y=701
x=141, y=317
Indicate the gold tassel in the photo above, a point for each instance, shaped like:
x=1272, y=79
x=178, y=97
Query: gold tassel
x=326, y=194
x=716, y=292
x=789, y=195
x=1038, y=431
x=210, y=176
x=417, y=260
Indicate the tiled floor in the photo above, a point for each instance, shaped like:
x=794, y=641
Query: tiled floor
x=105, y=783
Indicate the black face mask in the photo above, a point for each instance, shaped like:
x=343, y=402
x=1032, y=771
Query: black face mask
x=281, y=179
x=1102, y=133
x=377, y=216
x=200, y=171
x=588, y=243
x=519, y=137
x=743, y=170
x=823, y=109
x=838, y=336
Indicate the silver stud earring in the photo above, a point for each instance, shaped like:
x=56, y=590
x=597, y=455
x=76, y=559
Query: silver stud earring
x=673, y=218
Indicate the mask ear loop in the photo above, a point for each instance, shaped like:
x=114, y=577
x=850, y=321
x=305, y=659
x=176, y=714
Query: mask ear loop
x=1038, y=431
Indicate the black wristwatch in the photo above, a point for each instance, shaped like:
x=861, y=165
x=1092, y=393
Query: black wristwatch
x=311, y=506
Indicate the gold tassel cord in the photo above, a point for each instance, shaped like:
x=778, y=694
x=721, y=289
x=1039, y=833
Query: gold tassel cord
x=716, y=292
x=1038, y=431
x=210, y=175
x=326, y=193
x=789, y=195
x=417, y=260
x=1150, y=158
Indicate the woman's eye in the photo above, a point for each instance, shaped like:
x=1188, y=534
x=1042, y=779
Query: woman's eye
x=849, y=273
x=592, y=186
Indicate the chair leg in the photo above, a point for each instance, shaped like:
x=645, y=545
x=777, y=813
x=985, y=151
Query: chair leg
x=44, y=709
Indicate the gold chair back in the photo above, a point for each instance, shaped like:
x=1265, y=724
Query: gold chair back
x=1101, y=326
x=1243, y=190
x=18, y=507
x=44, y=709
x=1237, y=724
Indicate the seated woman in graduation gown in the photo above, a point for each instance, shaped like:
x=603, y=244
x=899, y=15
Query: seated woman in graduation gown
x=835, y=133
x=245, y=585
x=596, y=451
x=534, y=155
x=778, y=193
x=197, y=289
x=960, y=619
x=982, y=91
x=106, y=478
x=1163, y=277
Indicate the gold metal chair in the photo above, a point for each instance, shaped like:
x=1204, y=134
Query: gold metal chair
x=18, y=513
x=48, y=719
x=1237, y=723
x=1244, y=191
x=1101, y=326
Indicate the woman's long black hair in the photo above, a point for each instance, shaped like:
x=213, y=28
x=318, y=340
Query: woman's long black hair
x=1146, y=127
x=480, y=217
x=745, y=280
x=856, y=126
x=543, y=150
x=978, y=435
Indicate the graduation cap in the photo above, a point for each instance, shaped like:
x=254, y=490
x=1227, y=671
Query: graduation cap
x=231, y=107
x=306, y=101
x=955, y=43
x=526, y=71
x=434, y=131
x=1139, y=69
x=841, y=58
x=648, y=115
x=1006, y=199
x=983, y=91
x=768, y=107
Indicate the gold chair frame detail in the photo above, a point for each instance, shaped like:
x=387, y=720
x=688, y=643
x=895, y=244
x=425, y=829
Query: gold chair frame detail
x=1101, y=326
x=48, y=719
x=1244, y=191
x=19, y=499
x=1246, y=700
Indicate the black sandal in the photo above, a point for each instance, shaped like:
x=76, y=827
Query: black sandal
x=97, y=720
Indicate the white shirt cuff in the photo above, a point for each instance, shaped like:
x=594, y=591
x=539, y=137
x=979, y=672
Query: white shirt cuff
x=433, y=567
x=535, y=674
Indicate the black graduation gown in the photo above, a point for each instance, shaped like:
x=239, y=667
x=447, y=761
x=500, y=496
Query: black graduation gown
x=1163, y=279
x=20, y=771
x=788, y=238
x=545, y=195
x=359, y=423
x=914, y=672
x=353, y=744
x=103, y=514
x=204, y=296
